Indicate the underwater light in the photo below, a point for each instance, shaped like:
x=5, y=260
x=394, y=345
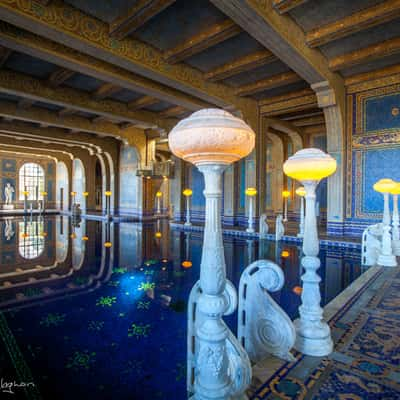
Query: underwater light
x=285, y=254
x=298, y=290
x=158, y=235
x=107, y=244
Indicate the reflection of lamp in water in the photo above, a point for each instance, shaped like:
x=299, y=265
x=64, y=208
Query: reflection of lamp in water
x=85, y=238
x=107, y=244
x=73, y=235
x=212, y=153
x=285, y=195
x=251, y=193
x=395, y=221
x=300, y=191
x=285, y=254
x=158, y=235
x=108, y=194
x=187, y=193
x=386, y=257
x=309, y=166
x=186, y=264
x=158, y=200
x=44, y=194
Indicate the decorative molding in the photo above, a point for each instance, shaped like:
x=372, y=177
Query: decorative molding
x=59, y=76
x=284, y=6
x=291, y=105
x=70, y=26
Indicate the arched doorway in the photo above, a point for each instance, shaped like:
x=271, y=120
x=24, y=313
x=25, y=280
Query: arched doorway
x=62, y=186
x=79, y=183
x=32, y=180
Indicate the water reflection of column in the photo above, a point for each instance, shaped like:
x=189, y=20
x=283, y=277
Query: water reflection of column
x=333, y=281
x=250, y=251
x=187, y=245
x=263, y=249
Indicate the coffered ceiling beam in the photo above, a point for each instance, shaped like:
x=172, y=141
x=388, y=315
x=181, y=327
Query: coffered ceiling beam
x=142, y=102
x=243, y=64
x=172, y=112
x=26, y=103
x=21, y=85
x=65, y=57
x=202, y=41
x=129, y=54
x=283, y=6
x=59, y=76
x=361, y=20
x=66, y=111
x=367, y=54
x=106, y=90
x=134, y=18
x=283, y=37
x=4, y=55
x=268, y=83
x=308, y=121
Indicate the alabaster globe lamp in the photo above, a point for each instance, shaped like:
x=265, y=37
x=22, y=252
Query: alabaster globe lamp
x=386, y=257
x=251, y=193
x=395, y=220
x=285, y=195
x=301, y=192
x=212, y=139
x=187, y=193
x=309, y=166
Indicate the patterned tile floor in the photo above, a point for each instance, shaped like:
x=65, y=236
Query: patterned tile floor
x=366, y=360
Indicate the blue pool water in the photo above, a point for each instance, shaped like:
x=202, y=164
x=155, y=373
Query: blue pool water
x=81, y=320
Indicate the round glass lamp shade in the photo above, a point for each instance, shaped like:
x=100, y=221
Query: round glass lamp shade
x=384, y=185
x=285, y=194
x=251, y=191
x=300, y=191
x=396, y=188
x=187, y=192
x=309, y=165
x=211, y=136
x=159, y=194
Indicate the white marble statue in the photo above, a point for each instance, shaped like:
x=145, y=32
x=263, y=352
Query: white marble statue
x=8, y=193
x=8, y=229
x=267, y=329
x=279, y=227
x=263, y=225
x=371, y=244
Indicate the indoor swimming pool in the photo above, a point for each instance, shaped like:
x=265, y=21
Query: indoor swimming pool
x=97, y=310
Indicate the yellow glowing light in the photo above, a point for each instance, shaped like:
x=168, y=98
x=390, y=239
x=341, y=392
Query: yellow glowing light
x=73, y=236
x=285, y=194
x=285, y=254
x=73, y=194
x=164, y=260
x=85, y=238
x=86, y=194
x=297, y=290
x=396, y=189
x=148, y=177
x=385, y=185
x=251, y=191
x=108, y=193
x=44, y=193
x=43, y=234
x=300, y=191
x=187, y=264
x=25, y=193
x=158, y=235
x=24, y=235
x=187, y=192
x=309, y=165
x=159, y=194
x=107, y=245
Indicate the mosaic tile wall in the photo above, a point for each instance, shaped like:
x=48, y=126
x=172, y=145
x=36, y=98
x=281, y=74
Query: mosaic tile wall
x=373, y=152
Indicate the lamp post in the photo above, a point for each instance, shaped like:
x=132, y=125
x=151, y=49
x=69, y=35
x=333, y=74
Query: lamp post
x=386, y=257
x=44, y=194
x=300, y=191
x=158, y=200
x=309, y=166
x=188, y=193
x=285, y=195
x=395, y=221
x=108, y=194
x=251, y=192
x=26, y=194
x=216, y=139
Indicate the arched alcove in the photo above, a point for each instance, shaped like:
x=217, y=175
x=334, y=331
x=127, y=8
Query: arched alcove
x=112, y=182
x=79, y=183
x=62, y=186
